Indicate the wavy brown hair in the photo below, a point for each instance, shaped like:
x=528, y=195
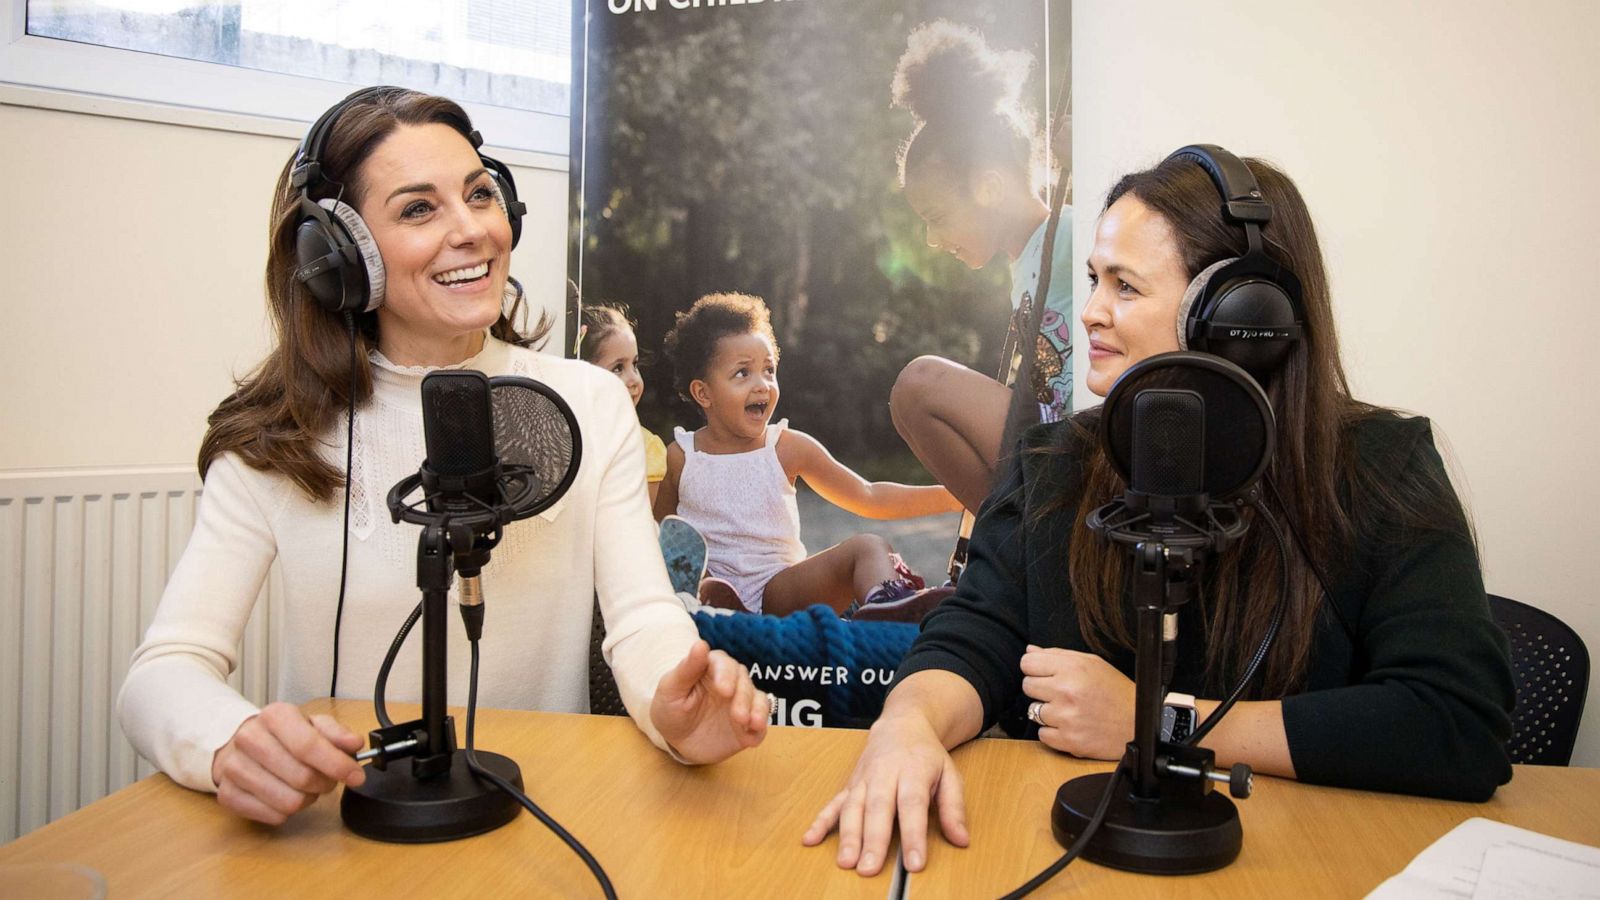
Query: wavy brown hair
x=1320, y=486
x=279, y=414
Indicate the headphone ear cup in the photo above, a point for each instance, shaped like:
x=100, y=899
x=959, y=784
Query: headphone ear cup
x=505, y=194
x=1250, y=302
x=1192, y=307
x=319, y=242
x=368, y=296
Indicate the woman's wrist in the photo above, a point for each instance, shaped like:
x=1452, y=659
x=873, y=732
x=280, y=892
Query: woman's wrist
x=940, y=701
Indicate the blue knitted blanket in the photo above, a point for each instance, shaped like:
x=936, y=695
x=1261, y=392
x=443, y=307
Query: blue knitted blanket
x=822, y=670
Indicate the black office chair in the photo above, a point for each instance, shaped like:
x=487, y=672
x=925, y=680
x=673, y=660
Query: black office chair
x=1551, y=666
x=604, y=700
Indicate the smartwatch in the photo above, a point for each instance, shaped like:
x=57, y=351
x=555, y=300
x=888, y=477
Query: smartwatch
x=1178, y=717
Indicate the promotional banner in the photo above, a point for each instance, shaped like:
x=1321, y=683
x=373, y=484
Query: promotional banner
x=879, y=174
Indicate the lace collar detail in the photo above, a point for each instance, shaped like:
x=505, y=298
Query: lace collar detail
x=491, y=358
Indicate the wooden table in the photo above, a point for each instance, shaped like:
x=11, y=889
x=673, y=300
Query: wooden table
x=1299, y=840
x=733, y=830
x=660, y=829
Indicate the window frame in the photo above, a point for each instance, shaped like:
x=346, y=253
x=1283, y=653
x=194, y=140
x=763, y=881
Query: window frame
x=77, y=77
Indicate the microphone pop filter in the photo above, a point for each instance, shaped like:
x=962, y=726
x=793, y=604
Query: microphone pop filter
x=1237, y=432
x=534, y=429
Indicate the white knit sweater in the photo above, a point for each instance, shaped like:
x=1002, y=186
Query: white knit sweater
x=176, y=706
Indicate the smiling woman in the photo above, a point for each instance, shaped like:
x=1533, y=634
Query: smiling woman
x=1387, y=672
x=389, y=226
x=446, y=243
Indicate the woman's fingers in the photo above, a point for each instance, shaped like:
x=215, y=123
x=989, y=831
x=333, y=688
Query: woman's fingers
x=725, y=672
x=760, y=711
x=271, y=743
x=343, y=738
x=743, y=698
x=912, y=801
x=850, y=816
x=825, y=821
x=1047, y=662
x=1040, y=688
x=316, y=745
x=952, y=799
x=238, y=801
x=681, y=679
x=279, y=762
x=877, y=825
x=245, y=776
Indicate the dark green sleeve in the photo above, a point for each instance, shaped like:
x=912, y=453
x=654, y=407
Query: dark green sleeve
x=980, y=632
x=1429, y=713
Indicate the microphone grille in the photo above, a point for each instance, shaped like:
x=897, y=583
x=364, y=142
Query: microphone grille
x=1169, y=456
x=458, y=422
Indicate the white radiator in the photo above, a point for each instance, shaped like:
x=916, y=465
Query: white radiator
x=84, y=556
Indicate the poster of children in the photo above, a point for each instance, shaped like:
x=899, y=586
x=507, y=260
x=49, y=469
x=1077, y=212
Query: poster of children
x=809, y=235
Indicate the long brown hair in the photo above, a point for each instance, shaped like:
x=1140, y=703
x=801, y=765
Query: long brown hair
x=279, y=413
x=1326, y=493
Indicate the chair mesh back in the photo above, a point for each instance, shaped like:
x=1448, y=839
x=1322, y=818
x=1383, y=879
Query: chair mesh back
x=1551, y=666
x=604, y=700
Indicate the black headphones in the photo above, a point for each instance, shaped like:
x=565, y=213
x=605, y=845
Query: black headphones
x=337, y=258
x=1246, y=309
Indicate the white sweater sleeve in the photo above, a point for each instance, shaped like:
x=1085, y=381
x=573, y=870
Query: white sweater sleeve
x=647, y=630
x=176, y=705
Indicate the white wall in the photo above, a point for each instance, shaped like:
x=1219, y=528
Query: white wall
x=1450, y=152
x=133, y=254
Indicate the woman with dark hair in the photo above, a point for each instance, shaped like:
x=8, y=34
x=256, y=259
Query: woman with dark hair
x=1396, y=679
x=974, y=171
x=401, y=172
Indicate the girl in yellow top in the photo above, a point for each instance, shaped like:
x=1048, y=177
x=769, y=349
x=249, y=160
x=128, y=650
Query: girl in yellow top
x=606, y=339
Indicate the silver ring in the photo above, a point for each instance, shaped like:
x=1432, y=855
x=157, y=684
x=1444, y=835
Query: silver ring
x=1034, y=710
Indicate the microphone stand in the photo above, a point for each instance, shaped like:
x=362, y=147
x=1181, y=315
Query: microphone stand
x=437, y=800
x=1169, y=821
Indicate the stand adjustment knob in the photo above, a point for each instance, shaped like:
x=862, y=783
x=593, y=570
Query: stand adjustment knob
x=1241, y=781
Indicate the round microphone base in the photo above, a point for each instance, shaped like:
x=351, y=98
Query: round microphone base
x=1171, y=836
x=396, y=807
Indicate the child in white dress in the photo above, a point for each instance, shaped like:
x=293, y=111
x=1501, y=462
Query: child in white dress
x=734, y=478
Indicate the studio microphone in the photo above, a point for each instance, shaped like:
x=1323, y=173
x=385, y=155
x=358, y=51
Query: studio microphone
x=1169, y=450
x=462, y=469
x=461, y=473
x=499, y=450
x=1190, y=434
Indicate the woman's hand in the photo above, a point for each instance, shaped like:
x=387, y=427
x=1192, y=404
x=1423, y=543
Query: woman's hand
x=279, y=762
x=706, y=709
x=903, y=769
x=1088, y=704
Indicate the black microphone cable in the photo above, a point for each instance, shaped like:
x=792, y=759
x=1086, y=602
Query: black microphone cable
x=1088, y=834
x=349, y=459
x=504, y=785
x=379, y=706
x=1272, y=627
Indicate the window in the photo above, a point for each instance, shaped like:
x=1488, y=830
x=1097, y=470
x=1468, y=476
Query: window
x=508, y=61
